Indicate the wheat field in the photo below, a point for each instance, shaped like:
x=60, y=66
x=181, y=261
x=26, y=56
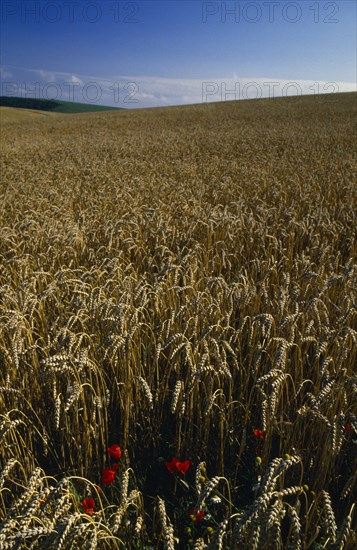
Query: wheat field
x=177, y=298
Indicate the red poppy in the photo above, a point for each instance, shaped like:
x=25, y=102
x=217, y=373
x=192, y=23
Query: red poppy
x=114, y=451
x=346, y=427
x=175, y=464
x=198, y=517
x=259, y=434
x=108, y=474
x=88, y=505
x=172, y=465
x=183, y=466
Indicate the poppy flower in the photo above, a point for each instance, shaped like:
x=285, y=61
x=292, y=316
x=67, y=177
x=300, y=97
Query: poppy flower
x=88, y=505
x=198, y=517
x=346, y=427
x=114, y=451
x=108, y=474
x=175, y=465
x=259, y=434
x=171, y=466
x=183, y=466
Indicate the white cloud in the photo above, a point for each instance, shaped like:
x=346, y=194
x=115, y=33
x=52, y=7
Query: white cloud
x=4, y=73
x=158, y=91
x=75, y=80
x=44, y=75
x=150, y=91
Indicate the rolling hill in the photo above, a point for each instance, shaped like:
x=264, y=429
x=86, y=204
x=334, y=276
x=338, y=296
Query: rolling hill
x=52, y=105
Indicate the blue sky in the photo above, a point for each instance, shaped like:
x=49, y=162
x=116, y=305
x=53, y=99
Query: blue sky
x=152, y=53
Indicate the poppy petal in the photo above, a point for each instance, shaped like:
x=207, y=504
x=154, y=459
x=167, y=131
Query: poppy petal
x=183, y=466
x=172, y=465
x=88, y=505
x=108, y=475
x=114, y=451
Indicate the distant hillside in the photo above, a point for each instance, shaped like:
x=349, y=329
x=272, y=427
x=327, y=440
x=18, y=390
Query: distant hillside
x=51, y=105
